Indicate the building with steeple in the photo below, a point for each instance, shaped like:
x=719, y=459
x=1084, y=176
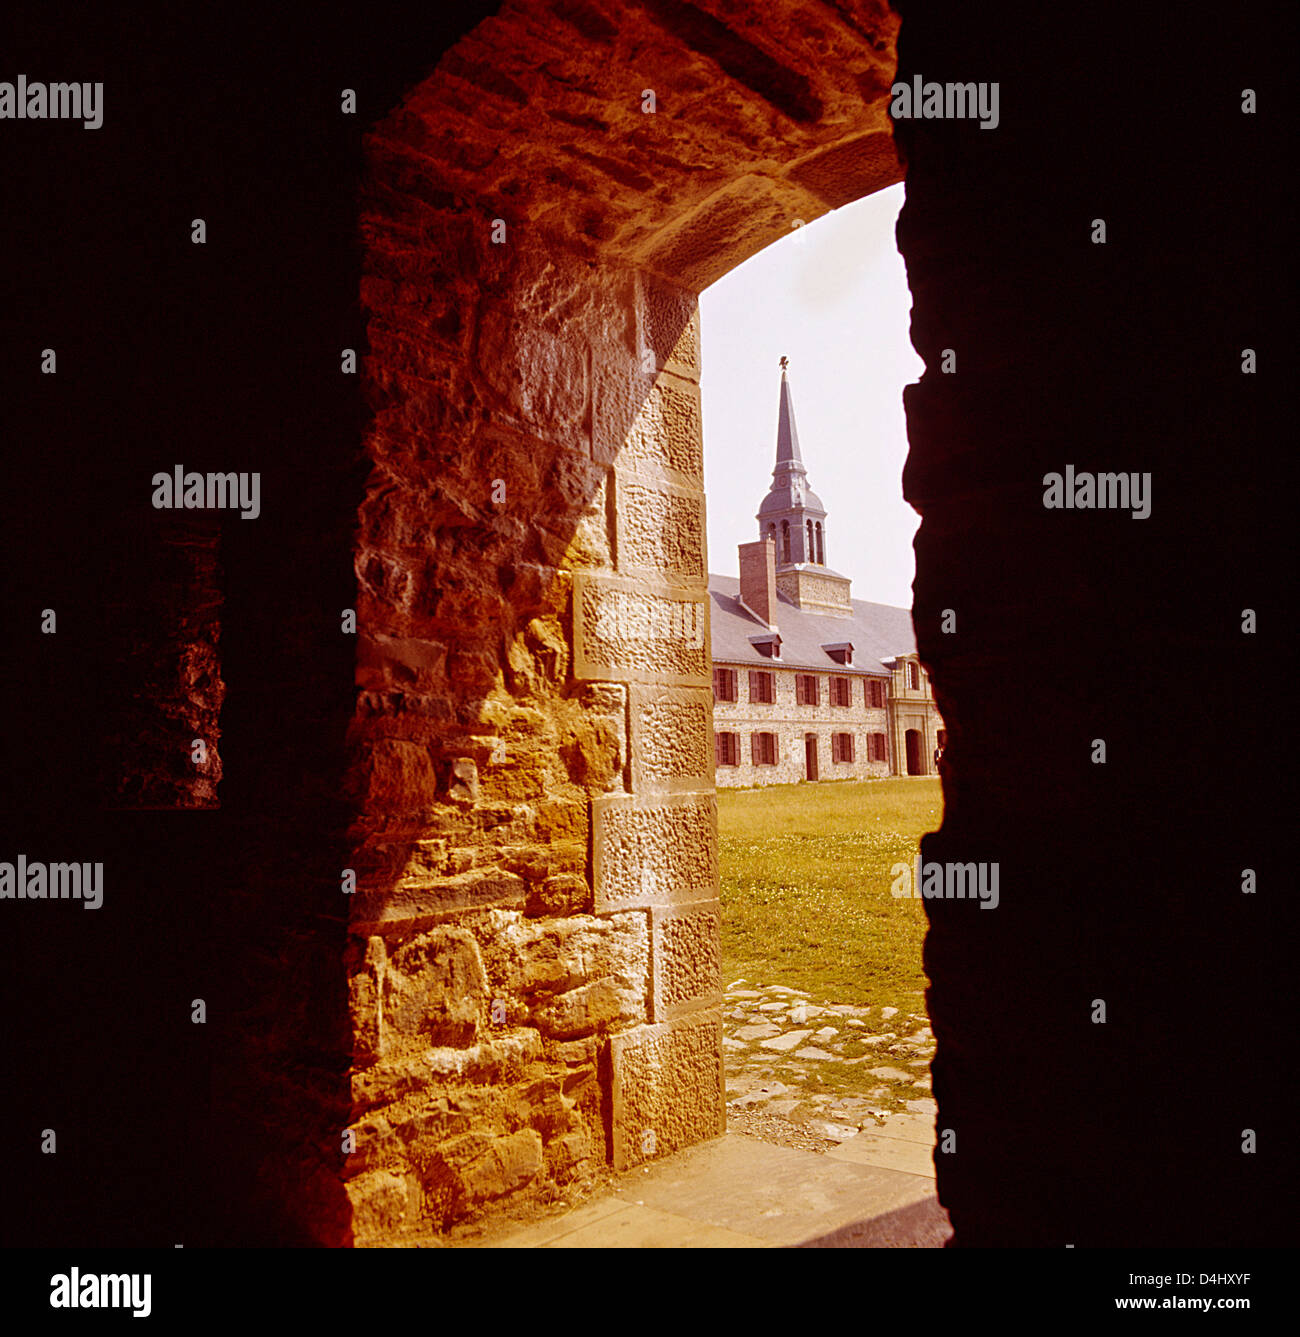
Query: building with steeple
x=808, y=682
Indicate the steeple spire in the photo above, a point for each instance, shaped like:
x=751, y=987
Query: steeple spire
x=791, y=515
x=787, y=435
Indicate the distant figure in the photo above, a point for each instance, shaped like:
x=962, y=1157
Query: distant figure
x=938, y=752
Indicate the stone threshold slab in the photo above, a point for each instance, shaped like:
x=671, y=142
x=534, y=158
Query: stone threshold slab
x=737, y=1192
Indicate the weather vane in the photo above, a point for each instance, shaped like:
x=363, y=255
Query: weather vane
x=785, y=362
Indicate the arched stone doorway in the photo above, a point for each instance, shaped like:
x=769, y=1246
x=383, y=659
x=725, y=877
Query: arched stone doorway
x=534, y=970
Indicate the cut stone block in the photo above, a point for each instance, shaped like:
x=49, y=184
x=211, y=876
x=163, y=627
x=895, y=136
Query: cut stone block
x=659, y=528
x=637, y=631
x=672, y=738
x=654, y=851
x=687, y=959
x=668, y=1089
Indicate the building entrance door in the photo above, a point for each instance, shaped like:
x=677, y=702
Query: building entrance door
x=810, y=754
x=915, y=766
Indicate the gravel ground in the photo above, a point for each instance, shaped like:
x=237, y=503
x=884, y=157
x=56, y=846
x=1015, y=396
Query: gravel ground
x=773, y=1128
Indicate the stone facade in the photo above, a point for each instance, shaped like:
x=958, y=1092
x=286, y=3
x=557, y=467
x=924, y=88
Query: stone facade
x=820, y=590
x=912, y=712
x=792, y=723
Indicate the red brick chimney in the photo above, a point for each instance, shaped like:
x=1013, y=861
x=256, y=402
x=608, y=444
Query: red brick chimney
x=758, y=578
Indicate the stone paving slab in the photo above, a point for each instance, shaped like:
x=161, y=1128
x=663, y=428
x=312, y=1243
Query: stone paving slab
x=908, y=1127
x=887, y=1153
x=737, y=1192
x=614, y=1224
x=780, y=1194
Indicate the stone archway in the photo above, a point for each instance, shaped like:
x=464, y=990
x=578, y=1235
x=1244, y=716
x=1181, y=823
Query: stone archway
x=533, y=970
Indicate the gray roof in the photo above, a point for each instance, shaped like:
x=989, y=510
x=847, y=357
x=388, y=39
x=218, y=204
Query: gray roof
x=878, y=633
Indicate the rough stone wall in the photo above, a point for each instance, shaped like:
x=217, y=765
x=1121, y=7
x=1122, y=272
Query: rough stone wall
x=534, y=961
x=494, y=960
x=790, y=722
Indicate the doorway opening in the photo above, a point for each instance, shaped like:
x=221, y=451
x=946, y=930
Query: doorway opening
x=915, y=761
x=825, y=1024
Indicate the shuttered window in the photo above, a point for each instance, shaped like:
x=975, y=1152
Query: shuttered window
x=877, y=747
x=841, y=747
x=874, y=692
x=763, y=749
x=724, y=684
x=727, y=749
x=841, y=689
x=807, y=690
x=762, y=687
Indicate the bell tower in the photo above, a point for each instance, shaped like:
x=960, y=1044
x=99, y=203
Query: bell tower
x=793, y=517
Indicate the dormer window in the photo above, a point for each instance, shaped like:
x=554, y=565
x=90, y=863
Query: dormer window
x=768, y=645
x=840, y=651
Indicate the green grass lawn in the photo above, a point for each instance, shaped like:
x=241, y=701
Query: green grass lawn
x=806, y=888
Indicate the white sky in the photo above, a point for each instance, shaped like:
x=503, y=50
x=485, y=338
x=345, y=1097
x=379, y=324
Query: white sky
x=833, y=298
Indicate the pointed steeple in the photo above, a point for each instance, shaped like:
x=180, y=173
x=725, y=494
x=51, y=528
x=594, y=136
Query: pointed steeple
x=791, y=514
x=793, y=518
x=787, y=435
